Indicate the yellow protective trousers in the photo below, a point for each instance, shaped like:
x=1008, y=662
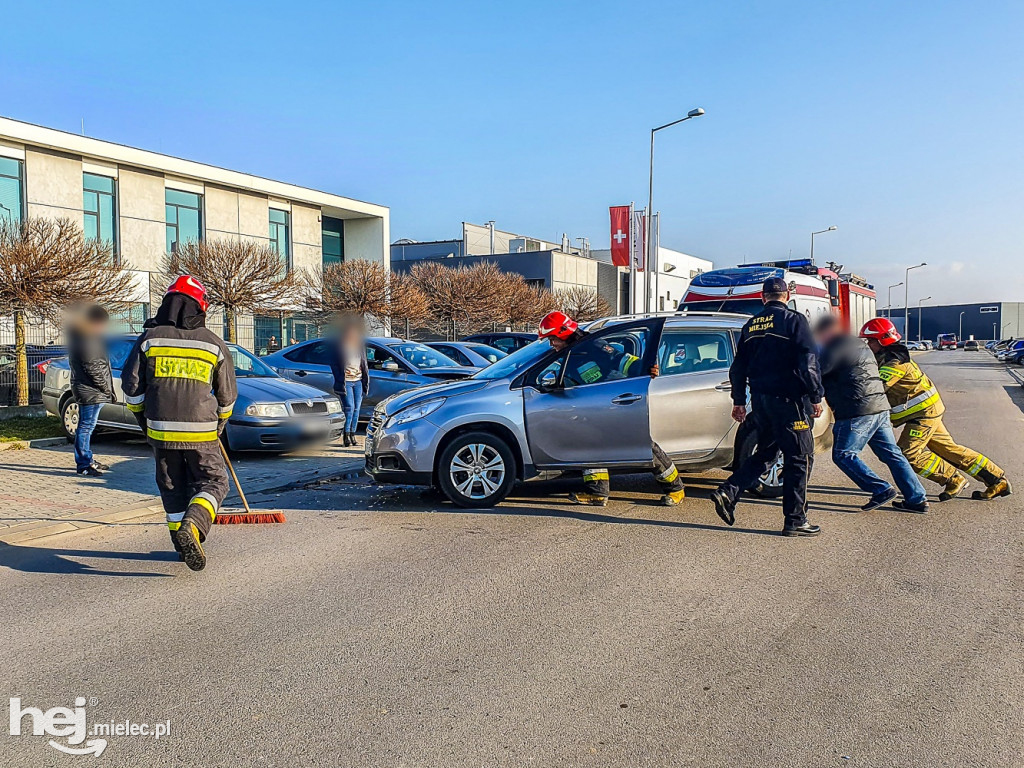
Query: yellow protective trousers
x=934, y=454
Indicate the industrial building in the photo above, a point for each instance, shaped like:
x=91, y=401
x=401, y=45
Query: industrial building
x=145, y=203
x=554, y=266
x=983, y=320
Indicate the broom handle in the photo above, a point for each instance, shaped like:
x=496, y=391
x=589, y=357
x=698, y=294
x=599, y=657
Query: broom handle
x=238, y=485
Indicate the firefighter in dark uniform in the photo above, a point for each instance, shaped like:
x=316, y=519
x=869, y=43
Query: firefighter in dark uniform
x=608, y=362
x=179, y=381
x=777, y=358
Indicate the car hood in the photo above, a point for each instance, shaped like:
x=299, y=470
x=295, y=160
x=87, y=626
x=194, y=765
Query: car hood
x=431, y=391
x=274, y=390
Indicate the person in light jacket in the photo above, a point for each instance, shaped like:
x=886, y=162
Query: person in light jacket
x=351, y=376
x=91, y=383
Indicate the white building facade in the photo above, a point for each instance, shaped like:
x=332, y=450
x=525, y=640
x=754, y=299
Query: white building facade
x=145, y=203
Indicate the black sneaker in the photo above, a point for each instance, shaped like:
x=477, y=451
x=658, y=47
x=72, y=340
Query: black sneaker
x=100, y=466
x=802, y=530
x=906, y=506
x=726, y=509
x=880, y=500
x=91, y=471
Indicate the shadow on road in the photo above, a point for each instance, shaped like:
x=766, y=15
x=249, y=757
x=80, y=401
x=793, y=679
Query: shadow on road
x=45, y=560
x=1016, y=394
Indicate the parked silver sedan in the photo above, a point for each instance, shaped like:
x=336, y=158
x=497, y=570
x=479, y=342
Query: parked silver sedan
x=525, y=414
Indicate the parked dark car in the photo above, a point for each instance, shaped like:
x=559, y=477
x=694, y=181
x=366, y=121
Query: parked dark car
x=39, y=356
x=971, y=346
x=472, y=354
x=395, y=366
x=270, y=414
x=507, y=341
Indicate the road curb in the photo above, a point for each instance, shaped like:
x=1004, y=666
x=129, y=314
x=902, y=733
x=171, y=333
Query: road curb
x=150, y=507
x=42, y=442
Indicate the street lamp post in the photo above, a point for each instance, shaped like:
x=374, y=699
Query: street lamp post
x=822, y=232
x=919, y=313
x=651, y=257
x=888, y=306
x=906, y=296
x=960, y=333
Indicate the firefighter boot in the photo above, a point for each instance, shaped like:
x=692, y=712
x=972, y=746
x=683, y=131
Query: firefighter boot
x=954, y=487
x=673, y=498
x=588, y=499
x=191, y=534
x=1000, y=487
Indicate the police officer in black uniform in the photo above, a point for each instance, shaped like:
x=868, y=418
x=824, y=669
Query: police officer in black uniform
x=777, y=357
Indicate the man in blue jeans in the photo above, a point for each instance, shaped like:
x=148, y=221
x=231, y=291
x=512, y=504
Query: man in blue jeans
x=91, y=381
x=854, y=391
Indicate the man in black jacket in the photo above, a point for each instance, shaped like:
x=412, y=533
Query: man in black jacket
x=91, y=382
x=777, y=358
x=857, y=397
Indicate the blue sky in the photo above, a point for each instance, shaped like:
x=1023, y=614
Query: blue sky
x=900, y=123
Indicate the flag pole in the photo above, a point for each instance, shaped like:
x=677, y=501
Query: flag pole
x=631, y=304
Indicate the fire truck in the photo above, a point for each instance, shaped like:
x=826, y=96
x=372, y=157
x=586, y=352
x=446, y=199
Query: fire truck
x=814, y=291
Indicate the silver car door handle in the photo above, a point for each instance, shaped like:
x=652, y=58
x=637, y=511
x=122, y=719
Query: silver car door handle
x=725, y=386
x=626, y=399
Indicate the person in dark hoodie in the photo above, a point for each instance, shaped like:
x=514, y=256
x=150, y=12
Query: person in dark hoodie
x=91, y=381
x=857, y=397
x=179, y=381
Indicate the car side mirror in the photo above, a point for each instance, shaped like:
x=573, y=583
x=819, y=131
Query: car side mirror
x=548, y=380
x=390, y=366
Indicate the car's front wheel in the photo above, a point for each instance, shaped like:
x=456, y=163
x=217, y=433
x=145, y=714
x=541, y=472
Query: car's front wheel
x=69, y=418
x=476, y=470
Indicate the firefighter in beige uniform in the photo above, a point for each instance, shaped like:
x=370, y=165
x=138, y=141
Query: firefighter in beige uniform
x=562, y=331
x=917, y=406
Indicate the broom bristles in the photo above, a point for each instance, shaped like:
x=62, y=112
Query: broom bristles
x=249, y=518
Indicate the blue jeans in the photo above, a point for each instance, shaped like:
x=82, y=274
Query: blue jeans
x=850, y=437
x=351, y=400
x=87, y=415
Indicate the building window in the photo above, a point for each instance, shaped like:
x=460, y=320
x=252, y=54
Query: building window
x=333, y=240
x=10, y=189
x=100, y=213
x=267, y=333
x=184, y=211
x=280, y=225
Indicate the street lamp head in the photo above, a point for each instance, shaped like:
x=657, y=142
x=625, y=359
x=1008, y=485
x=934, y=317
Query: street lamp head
x=695, y=112
x=833, y=228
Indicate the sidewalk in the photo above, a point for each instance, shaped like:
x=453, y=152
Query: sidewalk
x=40, y=494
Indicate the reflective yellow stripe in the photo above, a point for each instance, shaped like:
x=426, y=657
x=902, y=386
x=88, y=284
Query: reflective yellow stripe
x=627, y=362
x=978, y=465
x=225, y=415
x=171, y=351
x=909, y=410
x=600, y=474
x=888, y=373
x=173, y=526
x=136, y=408
x=206, y=505
x=182, y=437
x=668, y=476
x=931, y=466
x=182, y=368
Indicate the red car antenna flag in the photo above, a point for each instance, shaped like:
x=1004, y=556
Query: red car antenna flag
x=620, y=234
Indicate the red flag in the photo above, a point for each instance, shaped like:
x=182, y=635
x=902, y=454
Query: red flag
x=620, y=234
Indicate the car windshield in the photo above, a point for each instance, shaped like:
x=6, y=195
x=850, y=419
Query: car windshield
x=422, y=356
x=249, y=366
x=739, y=306
x=515, y=362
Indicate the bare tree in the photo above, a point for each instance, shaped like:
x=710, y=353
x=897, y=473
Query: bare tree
x=408, y=306
x=239, y=276
x=466, y=296
x=522, y=305
x=46, y=265
x=356, y=287
x=582, y=303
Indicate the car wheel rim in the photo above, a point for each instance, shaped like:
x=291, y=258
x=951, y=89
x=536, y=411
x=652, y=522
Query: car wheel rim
x=773, y=477
x=71, y=418
x=477, y=470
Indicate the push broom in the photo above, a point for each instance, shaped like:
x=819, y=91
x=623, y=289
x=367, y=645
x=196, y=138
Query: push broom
x=240, y=518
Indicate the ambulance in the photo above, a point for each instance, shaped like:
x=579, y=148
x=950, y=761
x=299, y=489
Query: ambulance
x=814, y=291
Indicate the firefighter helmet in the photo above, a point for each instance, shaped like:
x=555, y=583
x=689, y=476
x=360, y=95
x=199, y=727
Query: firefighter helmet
x=881, y=330
x=189, y=286
x=557, y=324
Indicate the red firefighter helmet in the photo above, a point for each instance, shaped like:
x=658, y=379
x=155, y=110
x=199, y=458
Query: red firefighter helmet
x=557, y=324
x=881, y=330
x=189, y=286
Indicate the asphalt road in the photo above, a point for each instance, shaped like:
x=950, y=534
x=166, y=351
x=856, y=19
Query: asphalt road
x=382, y=628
